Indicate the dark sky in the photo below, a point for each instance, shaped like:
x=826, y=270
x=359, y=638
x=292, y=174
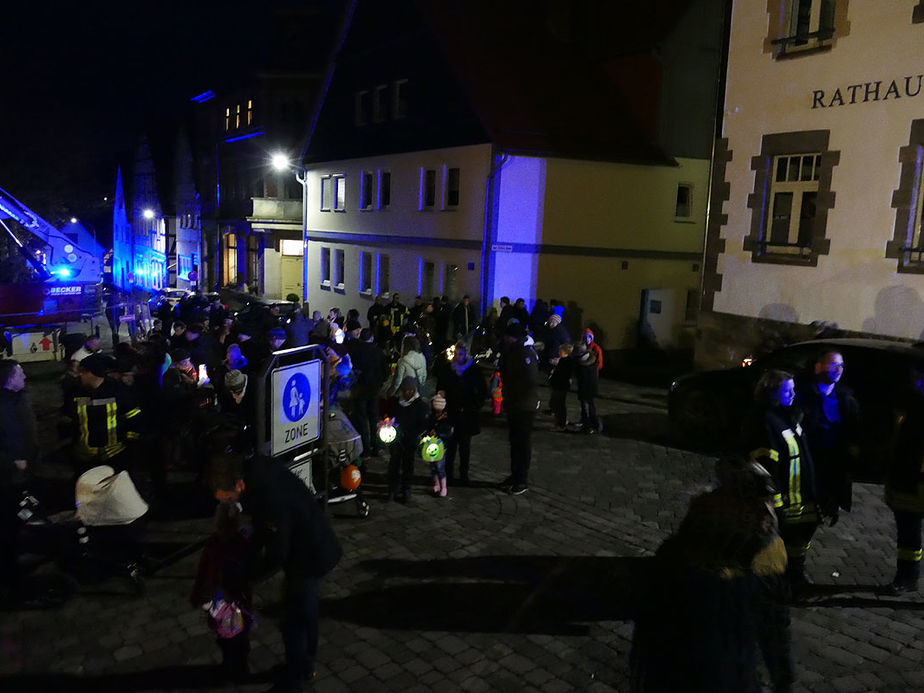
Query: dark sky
x=82, y=79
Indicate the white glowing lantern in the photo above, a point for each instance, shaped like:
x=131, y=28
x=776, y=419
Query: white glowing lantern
x=387, y=431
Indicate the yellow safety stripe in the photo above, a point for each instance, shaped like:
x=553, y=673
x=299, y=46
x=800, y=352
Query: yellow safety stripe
x=777, y=500
x=132, y=412
x=795, y=468
x=84, y=441
x=131, y=435
x=765, y=452
x=909, y=555
x=111, y=425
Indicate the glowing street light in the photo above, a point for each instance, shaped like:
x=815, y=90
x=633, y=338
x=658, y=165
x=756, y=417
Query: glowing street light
x=148, y=214
x=280, y=161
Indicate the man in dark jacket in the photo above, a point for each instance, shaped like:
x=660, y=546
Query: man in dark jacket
x=519, y=370
x=369, y=369
x=463, y=320
x=831, y=422
x=292, y=534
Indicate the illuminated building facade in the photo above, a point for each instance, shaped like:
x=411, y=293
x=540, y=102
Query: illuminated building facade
x=817, y=194
x=521, y=149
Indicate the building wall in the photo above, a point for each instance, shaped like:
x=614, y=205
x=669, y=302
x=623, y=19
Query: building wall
x=597, y=236
x=401, y=232
x=853, y=284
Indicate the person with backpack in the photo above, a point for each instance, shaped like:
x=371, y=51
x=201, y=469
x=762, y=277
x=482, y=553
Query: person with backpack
x=292, y=534
x=222, y=589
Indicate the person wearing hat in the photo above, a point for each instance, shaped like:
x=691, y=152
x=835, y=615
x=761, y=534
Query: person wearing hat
x=105, y=417
x=411, y=415
x=519, y=371
x=237, y=403
x=556, y=336
x=277, y=337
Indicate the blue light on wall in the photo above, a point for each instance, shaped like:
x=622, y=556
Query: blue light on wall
x=257, y=133
x=203, y=97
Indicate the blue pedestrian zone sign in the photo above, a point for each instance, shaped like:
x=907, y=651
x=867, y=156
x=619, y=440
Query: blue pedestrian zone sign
x=296, y=410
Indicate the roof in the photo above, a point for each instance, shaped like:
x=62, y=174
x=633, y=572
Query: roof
x=563, y=78
x=548, y=92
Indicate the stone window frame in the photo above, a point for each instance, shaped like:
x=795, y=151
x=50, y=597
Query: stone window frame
x=906, y=200
x=780, y=45
x=781, y=144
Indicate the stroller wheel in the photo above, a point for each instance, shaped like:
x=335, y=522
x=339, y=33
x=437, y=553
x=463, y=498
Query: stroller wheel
x=136, y=575
x=363, y=508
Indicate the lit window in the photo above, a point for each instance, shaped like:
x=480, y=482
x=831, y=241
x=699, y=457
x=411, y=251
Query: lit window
x=453, y=179
x=379, y=99
x=399, y=99
x=339, y=268
x=327, y=193
x=237, y=116
x=339, y=194
x=292, y=247
x=384, y=189
x=325, y=267
x=227, y=119
x=250, y=112
x=427, y=188
x=231, y=258
x=683, y=205
x=366, y=192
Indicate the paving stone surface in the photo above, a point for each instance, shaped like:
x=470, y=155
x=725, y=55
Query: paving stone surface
x=482, y=591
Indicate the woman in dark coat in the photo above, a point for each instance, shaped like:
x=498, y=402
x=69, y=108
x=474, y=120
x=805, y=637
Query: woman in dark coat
x=465, y=390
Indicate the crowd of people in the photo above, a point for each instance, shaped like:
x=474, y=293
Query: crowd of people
x=183, y=393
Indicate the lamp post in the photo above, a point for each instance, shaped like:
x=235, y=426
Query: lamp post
x=281, y=162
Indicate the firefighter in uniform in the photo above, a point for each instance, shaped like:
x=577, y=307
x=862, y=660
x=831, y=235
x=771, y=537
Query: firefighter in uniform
x=774, y=438
x=104, y=417
x=904, y=487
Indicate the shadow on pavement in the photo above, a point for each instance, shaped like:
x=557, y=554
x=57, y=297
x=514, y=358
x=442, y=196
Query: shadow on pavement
x=499, y=594
x=650, y=427
x=172, y=678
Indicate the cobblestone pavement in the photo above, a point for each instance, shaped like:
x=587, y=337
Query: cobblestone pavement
x=482, y=591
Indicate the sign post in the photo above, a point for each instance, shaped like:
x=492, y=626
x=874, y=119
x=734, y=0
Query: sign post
x=292, y=410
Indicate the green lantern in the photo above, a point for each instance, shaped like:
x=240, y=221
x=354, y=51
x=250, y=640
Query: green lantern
x=432, y=449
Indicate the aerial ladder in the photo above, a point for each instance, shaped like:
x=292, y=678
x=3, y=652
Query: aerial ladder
x=62, y=282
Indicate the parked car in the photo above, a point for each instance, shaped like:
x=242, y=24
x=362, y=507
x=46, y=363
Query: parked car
x=707, y=409
x=169, y=295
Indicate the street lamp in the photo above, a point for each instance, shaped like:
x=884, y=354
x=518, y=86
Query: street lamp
x=281, y=162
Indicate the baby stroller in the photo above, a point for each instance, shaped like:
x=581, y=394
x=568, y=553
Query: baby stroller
x=101, y=537
x=344, y=446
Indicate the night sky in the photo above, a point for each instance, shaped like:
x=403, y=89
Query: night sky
x=83, y=79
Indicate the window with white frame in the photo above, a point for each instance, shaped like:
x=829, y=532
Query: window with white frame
x=805, y=25
x=791, y=198
x=453, y=180
x=365, y=272
x=184, y=266
x=327, y=193
x=384, y=196
x=399, y=99
x=325, y=267
x=366, y=190
x=683, y=205
x=384, y=273
x=427, y=188
x=339, y=194
x=339, y=268
x=379, y=103
x=793, y=201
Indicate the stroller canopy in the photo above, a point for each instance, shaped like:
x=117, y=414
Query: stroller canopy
x=107, y=498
